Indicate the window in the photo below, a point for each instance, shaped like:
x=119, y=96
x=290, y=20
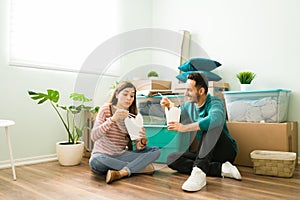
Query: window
x=59, y=34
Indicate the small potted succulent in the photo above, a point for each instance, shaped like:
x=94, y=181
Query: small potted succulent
x=152, y=75
x=245, y=78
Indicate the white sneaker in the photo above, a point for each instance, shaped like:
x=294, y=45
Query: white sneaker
x=196, y=181
x=230, y=171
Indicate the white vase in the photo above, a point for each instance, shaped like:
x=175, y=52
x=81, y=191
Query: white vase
x=245, y=87
x=153, y=77
x=69, y=154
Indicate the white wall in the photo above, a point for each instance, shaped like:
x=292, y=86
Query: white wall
x=257, y=35
x=37, y=127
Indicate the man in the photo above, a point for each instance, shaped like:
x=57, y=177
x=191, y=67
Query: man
x=216, y=148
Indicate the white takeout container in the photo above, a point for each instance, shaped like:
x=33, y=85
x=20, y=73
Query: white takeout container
x=173, y=114
x=134, y=125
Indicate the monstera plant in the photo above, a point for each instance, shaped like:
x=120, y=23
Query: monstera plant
x=72, y=117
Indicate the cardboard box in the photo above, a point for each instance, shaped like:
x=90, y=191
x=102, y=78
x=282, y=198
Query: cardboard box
x=152, y=84
x=216, y=88
x=263, y=136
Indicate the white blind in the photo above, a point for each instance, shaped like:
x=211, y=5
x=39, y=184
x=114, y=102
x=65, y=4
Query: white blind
x=60, y=34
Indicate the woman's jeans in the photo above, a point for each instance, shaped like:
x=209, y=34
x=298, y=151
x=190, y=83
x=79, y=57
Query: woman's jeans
x=132, y=161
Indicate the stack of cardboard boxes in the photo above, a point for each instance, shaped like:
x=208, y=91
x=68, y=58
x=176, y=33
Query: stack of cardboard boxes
x=279, y=135
x=263, y=136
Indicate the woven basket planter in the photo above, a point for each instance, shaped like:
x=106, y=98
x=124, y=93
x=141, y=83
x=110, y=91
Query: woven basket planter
x=273, y=163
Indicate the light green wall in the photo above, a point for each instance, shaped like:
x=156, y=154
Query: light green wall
x=257, y=35
x=260, y=35
x=37, y=127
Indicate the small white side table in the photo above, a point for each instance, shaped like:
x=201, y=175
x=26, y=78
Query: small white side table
x=5, y=124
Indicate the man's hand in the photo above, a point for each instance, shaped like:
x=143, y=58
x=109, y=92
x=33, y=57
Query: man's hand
x=165, y=102
x=176, y=126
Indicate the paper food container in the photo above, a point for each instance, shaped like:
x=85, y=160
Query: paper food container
x=134, y=125
x=173, y=114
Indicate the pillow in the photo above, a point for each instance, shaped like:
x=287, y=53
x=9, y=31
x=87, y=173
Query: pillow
x=195, y=64
x=209, y=75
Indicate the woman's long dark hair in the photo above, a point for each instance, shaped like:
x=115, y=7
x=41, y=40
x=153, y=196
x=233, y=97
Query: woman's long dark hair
x=133, y=108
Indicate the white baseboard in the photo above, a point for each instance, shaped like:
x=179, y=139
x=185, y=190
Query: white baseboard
x=28, y=161
x=40, y=159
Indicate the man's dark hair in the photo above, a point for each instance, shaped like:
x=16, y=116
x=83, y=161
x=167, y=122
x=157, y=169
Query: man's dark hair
x=200, y=79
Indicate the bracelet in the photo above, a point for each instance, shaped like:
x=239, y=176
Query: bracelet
x=143, y=143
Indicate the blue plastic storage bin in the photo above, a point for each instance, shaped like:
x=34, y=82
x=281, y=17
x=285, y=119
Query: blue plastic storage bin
x=151, y=110
x=257, y=105
x=167, y=141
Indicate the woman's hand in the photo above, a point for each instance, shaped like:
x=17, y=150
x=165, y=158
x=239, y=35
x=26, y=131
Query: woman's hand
x=120, y=114
x=141, y=143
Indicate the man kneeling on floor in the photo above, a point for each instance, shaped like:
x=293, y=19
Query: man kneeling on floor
x=216, y=148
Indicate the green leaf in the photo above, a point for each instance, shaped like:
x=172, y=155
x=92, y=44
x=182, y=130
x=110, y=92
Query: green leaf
x=53, y=95
x=79, y=97
x=69, y=122
x=74, y=109
x=42, y=100
x=62, y=107
x=31, y=93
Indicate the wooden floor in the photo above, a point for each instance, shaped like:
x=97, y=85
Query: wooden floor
x=54, y=182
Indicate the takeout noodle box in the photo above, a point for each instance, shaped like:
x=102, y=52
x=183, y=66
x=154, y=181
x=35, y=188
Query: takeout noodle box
x=173, y=114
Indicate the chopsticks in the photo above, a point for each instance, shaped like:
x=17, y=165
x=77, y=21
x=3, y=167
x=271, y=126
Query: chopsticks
x=160, y=94
x=130, y=115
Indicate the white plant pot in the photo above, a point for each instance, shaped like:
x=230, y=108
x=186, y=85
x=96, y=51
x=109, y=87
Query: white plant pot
x=69, y=154
x=153, y=78
x=245, y=87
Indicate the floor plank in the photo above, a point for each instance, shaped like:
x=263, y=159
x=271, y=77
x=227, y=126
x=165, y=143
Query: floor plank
x=50, y=181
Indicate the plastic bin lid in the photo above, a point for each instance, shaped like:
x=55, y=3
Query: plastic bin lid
x=257, y=91
x=159, y=97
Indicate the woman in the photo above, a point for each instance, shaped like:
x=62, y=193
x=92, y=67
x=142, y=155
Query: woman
x=112, y=153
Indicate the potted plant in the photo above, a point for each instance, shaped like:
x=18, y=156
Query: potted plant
x=245, y=78
x=152, y=74
x=73, y=122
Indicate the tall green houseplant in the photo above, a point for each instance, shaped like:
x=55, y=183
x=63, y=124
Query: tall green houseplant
x=74, y=114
